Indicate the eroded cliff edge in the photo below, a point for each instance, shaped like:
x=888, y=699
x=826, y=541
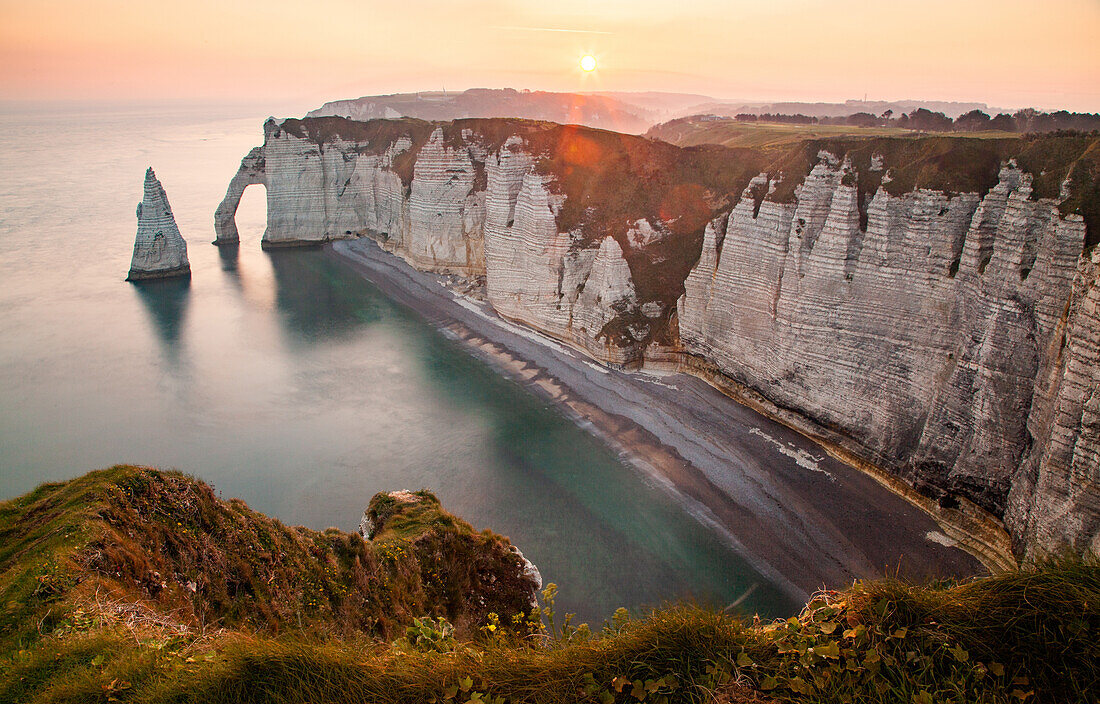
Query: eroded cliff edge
x=930, y=305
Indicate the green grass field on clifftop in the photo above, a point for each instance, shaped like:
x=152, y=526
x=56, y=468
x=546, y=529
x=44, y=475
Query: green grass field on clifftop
x=691, y=132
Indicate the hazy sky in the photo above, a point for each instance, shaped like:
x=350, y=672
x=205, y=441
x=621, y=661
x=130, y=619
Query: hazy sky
x=1009, y=53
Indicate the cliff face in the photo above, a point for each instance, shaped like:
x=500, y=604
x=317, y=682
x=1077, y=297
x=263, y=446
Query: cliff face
x=1055, y=498
x=320, y=190
x=507, y=199
x=920, y=336
x=546, y=278
x=923, y=302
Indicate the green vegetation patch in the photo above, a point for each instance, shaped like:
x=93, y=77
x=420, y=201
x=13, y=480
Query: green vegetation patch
x=691, y=131
x=41, y=534
x=136, y=545
x=611, y=180
x=407, y=515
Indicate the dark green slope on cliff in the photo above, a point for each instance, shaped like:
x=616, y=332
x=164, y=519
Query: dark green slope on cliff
x=166, y=543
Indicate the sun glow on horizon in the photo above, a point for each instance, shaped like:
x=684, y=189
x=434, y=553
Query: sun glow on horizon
x=1003, y=54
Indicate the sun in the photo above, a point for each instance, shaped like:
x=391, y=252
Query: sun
x=588, y=63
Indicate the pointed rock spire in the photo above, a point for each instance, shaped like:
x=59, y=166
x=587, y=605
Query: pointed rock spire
x=159, y=249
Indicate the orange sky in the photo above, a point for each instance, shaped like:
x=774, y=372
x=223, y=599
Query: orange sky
x=297, y=54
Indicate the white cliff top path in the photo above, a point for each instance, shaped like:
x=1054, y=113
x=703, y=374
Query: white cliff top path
x=159, y=249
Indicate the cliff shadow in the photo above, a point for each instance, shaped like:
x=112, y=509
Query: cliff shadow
x=166, y=302
x=320, y=301
x=230, y=255
x=229, y=260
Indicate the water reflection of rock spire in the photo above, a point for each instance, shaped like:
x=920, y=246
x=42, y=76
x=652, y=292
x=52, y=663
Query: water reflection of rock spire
x=166, y=302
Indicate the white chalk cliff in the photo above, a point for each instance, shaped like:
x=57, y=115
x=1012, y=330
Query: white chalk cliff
x=1054, y=499
x=159, y=249
x=951, y=338
x=921, y=338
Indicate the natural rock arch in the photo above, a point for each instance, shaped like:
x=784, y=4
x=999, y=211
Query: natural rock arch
x=251, y=172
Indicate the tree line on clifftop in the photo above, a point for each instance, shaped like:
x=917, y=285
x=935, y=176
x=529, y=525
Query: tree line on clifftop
x=923, y=120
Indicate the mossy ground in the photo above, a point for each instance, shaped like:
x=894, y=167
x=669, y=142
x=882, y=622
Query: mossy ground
x=131, y=547
x=1030, y=635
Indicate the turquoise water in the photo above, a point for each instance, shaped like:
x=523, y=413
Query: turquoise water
x=284, y=379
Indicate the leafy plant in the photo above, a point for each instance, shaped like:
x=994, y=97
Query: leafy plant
x=427, y=634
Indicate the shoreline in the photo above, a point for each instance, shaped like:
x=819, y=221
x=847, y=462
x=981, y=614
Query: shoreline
x=792, y=506
x=970, y=526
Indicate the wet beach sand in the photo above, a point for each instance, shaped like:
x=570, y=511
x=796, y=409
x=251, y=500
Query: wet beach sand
x=802, y=518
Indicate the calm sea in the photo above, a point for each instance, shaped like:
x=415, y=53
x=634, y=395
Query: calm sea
x=284, y=379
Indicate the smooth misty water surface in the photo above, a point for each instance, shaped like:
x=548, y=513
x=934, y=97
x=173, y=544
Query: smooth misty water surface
x=283, y=378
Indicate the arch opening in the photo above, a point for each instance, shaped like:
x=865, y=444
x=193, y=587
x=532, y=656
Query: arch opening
x=251, y=172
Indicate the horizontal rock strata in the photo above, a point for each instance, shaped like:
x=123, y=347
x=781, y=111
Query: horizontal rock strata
x=920, y=337
x=159, y=250
x=1055, y=499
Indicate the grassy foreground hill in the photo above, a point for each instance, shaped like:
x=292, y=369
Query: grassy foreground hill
x=130, y=584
